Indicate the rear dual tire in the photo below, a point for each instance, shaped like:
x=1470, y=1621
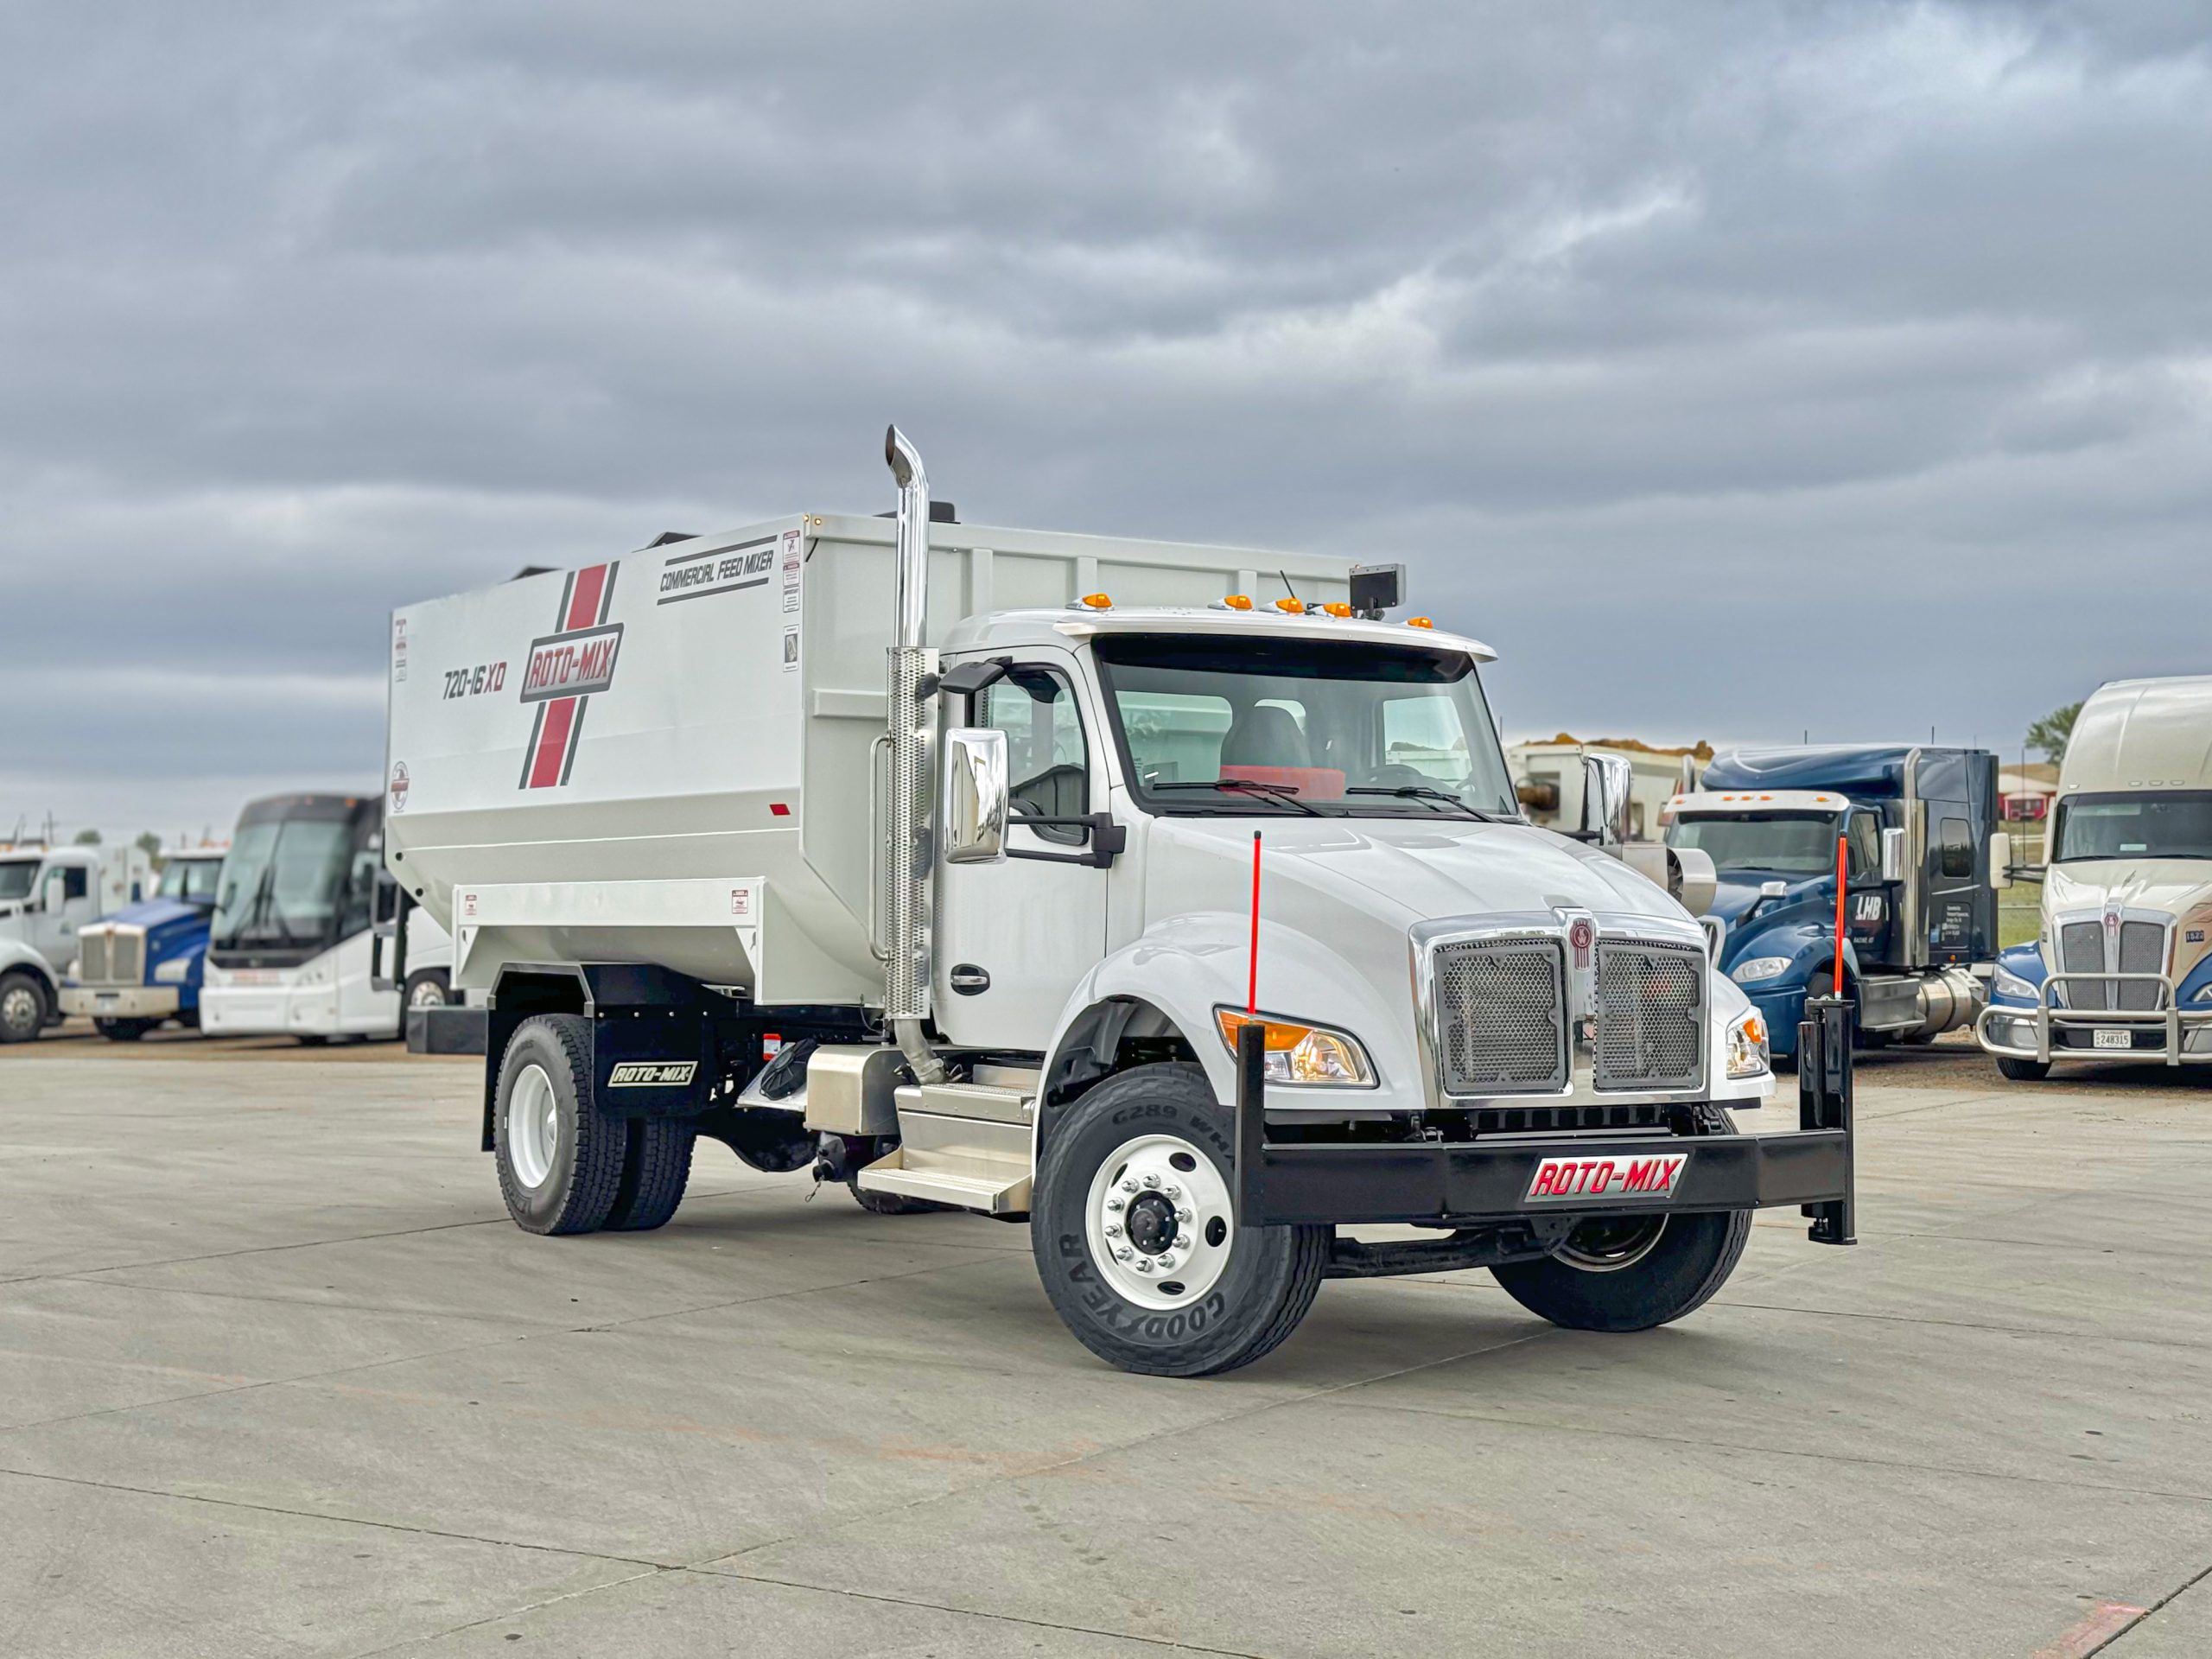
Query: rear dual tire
x=565, y=1167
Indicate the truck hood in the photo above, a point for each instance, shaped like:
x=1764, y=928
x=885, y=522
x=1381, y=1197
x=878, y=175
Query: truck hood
x=1409, y=870
x=2177, y=886
x=152, y=913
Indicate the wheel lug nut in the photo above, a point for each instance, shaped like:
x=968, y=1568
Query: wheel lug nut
x=1152, y=1180
x=1145, y=1265
x=1123, y=1253
x=1183, y=1215
x=1171, y=1190
x=1115, y=1203
x=1128, y=1186
x=1113, y=1229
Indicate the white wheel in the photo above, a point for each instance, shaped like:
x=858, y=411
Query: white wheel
x=533, y=1126
x=426, y=993
x=1161, y=1222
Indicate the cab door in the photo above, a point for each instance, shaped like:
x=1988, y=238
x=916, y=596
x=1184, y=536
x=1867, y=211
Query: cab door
x=1012, y=939
x=66, y=902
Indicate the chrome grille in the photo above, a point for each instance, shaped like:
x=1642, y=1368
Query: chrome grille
x=2082, y=950
x=2142, y=951
x=1500, y=1027
x=1650, y=1006
x=91, y=956
x=126, y=957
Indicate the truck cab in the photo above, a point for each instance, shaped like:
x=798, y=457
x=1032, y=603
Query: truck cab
x=1923, y=861
x=2121, y=968
x=140, y=968
x=47, y=895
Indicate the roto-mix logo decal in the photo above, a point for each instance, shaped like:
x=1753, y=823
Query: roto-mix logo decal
x=563, y=670
x=651, y=1074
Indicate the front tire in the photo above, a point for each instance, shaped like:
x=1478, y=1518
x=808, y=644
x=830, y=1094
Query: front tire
x=425, y=990
x=22, y=1006
x=1136, y=1240
x=1629, y=1273
x=123, y=1031
x=2023, y=1070
x=561, y=1160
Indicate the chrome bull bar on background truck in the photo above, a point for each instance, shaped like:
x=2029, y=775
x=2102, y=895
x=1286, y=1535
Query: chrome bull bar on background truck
x=953, y=912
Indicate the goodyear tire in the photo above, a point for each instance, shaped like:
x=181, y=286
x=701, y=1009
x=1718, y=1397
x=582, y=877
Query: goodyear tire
x=561, y=1160
x=655, y=1167
x=23, y=1008
x=1136, y=1242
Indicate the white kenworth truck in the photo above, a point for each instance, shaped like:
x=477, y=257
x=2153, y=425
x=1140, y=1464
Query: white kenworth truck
x=981, y=934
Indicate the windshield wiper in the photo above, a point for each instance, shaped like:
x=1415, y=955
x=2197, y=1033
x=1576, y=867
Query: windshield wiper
x=1286, y=793
x=1423, y=792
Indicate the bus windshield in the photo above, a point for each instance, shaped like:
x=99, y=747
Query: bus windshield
x=194, y=881
x=2175, y=823
x=1212, y=724
x=283, y=883
x=1799, y=844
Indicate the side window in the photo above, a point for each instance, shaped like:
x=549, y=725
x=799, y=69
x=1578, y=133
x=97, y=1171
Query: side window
x=63, y=883
x=76, y=882
x=1865, y=836
x=1047, y=766
x=1956, y=858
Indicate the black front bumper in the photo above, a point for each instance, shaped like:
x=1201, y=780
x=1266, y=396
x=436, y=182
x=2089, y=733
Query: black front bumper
x=1490, y=1180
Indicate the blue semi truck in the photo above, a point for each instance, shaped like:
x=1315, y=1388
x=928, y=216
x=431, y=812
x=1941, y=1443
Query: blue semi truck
x=141, y=966
x=1925, y=858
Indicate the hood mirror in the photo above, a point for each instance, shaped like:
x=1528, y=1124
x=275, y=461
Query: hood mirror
x=1605, y=779
x=1893, y=855
x=1774, y=889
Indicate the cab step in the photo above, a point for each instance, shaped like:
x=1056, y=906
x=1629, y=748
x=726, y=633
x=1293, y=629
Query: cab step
x=964, y=1144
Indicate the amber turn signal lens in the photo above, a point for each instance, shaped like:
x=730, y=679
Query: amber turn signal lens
x=1098, y=602
x=1237, y=602
x=1293, y=607
x=1337, y=607
x=1418, y=622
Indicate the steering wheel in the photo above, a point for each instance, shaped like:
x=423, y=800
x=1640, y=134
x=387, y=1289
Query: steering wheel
x=1395, y=775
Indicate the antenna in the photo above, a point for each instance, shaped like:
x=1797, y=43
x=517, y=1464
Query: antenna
x=1286, y=587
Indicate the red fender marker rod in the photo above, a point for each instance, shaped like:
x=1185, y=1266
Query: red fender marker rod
x=1842, y=871
x=1252, y=972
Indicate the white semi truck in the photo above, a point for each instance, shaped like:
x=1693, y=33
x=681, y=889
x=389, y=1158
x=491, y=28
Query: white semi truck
x=47, y=894
x=2122, y=968
x=997, y=910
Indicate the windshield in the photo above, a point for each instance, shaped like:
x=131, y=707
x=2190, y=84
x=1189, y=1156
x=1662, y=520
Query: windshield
x=192, y=880
x=15, y=877
x=2171, y=824
x=1788, y=843
x=1216, y=725
x=283, y=883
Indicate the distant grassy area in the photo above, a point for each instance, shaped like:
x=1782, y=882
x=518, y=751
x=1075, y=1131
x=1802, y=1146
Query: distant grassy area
x=2017, y=923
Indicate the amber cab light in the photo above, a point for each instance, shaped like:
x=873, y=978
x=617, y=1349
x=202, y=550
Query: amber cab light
x=1291, y=607
x=1418, y=622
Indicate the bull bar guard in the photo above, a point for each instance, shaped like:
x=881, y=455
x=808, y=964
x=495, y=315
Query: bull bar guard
x=1487, y=1180
x=2175, y=1022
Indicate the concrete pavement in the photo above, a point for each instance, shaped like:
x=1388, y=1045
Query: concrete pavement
x=277, y=1377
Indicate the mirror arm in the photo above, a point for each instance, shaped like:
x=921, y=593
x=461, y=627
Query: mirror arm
x=1107, y=839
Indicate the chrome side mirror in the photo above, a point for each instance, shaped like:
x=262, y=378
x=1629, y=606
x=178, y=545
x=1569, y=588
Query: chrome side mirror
x=1893, y=855
x=2000, y=859
x=974, y=795
x=1605, y=779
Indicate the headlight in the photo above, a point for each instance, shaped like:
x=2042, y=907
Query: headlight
x=175, y=971
x=1758, y=968
x=2013, y=986
x=1303, y=1054
x=1747, y=1046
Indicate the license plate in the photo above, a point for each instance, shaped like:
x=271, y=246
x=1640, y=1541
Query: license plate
x=2106, y=1037
x=105, y=999
x=1653, y=1176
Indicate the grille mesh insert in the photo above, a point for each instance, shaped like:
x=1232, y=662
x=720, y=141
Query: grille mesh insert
x=2142, y=951
x=91, y=957
x=1498, y=1010
x=1650, y=1009
x=2082, y=950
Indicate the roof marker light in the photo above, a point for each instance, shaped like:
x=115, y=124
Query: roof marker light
x=1418, y=622
x=1236, y=602
x=1096, y=602
x=1291, y=607
x=1335, y=608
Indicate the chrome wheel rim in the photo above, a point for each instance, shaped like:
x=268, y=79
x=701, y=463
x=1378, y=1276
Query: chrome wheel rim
x=19, y=1008
x=1160, y=1223
x=1609, y=1243
x=427, y=996
x=533, y=1126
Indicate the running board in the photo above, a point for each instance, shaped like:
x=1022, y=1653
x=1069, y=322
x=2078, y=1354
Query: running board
x=963, y=1144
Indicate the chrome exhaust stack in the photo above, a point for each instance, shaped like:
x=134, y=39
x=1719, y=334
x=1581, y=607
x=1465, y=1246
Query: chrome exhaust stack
x=906, y=972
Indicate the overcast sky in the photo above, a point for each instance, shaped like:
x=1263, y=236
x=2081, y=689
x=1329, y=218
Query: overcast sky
x=1733, y=370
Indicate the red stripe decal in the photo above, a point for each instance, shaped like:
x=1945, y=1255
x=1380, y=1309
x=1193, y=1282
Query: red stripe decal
x=552, y=743
x=583, y=603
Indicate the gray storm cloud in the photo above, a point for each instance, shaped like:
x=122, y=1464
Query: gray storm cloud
x=1733, y=370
